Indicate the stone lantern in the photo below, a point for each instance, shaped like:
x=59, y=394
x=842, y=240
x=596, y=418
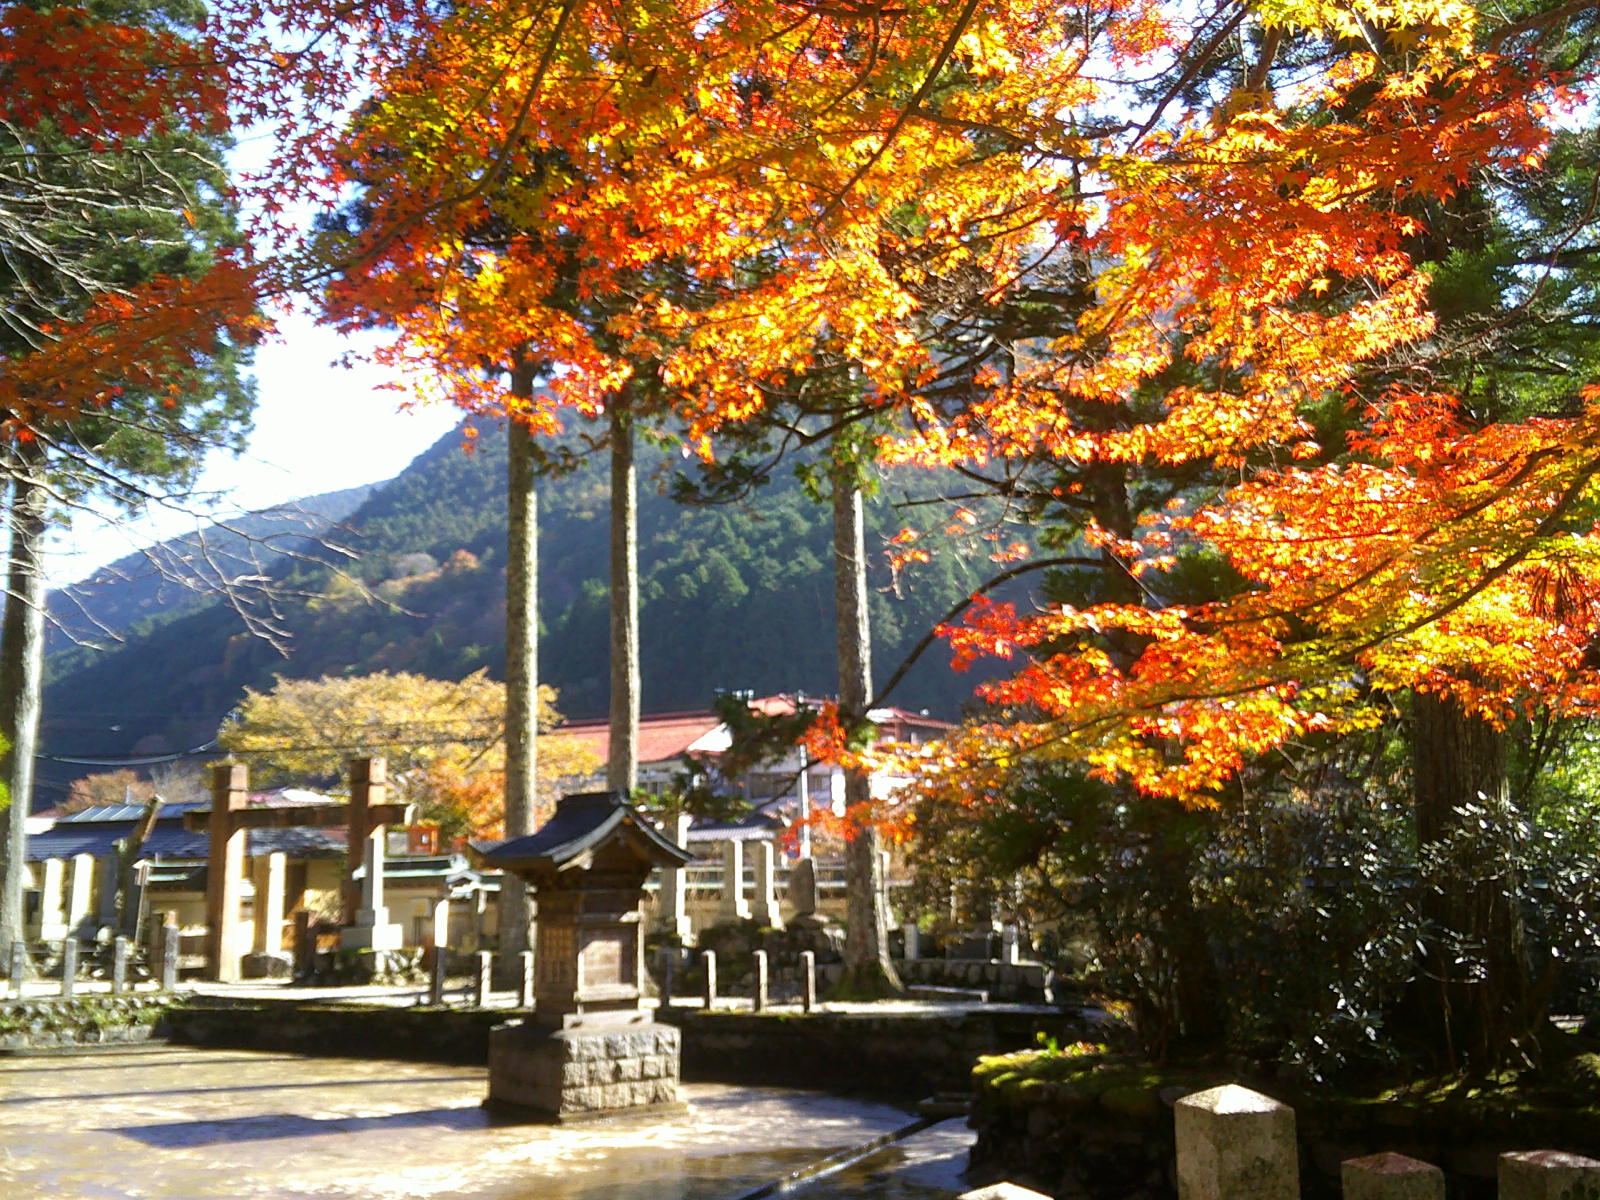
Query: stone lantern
x=591, y=1048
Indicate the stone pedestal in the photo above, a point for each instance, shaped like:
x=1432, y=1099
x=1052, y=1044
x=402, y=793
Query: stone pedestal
x=372, y=929
x=584, y=1071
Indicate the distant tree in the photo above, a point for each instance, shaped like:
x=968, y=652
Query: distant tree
x=122, y=786
x=445, y=741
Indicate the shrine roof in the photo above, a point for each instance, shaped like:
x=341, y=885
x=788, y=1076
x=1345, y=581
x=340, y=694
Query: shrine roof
x=580, y=824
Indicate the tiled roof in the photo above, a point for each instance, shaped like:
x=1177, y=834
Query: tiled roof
x=661, y=739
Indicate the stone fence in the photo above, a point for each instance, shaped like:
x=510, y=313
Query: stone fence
x=1236, y=1144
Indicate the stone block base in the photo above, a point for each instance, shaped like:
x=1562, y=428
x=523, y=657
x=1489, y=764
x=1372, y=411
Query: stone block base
x=371, y=937
x=573, y=1074
x=267, y=964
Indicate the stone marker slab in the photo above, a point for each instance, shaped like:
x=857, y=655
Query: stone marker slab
x=1548, y=1175
x=1391, y=1177
x=1235, y=1144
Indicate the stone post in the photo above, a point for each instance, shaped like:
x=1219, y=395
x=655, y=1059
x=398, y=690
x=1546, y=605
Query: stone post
x=230, y=794
x=673, y=897
x=734, y=906
x=1390, y=1177
x=1235, y=1144
x=169, y=953
x=758, y=982
x=436, y=977
x=1548, y=1175
x=305, y=945
x=271, y=872
x=764, y=904
x=808, y=980
x=485, y=970
x=1010, y=951
x=119, y=966
x=18, y=967
x=669, y=962
x=708, y=959
x=69, y=968
x=440, y=937
x=80, y=895
x=525, y=980
x=52, y=898
x=803, y=794
x=913, y=940
x=105, y=889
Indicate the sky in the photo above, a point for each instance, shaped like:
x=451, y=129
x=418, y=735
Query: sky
x=319, y=428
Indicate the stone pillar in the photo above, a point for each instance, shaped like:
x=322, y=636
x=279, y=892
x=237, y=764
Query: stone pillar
x=1390, y=1177
x=913, y=940
x=105, y=890
x=1235, y=1144
x=673, y=898
x=808, y=980
x=305, y=945
x=764, y=904
x=80, y=894
x=708, y=959
x=371, y=928
x=525, y=979
x=69, y=968
x=1548, y=1175
x=758, y=982
x=169, y=954
x=52, y=900
x=485, y=976
x=1010, y=951
x=271, y=872
x=230, y=793
x=669, y=962
x=734, y=907
x=439, y=937
x=803, y=792
x=119, y=966
x=436, y=977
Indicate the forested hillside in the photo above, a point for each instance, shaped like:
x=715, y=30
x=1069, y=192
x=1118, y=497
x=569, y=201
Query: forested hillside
x=732, y=597
x=185, y=572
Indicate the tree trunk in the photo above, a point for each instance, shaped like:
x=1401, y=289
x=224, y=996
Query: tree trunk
x=21, y=673
x=1476, y=1000
x=522, y=671
x=622, y=757
x=868, y=973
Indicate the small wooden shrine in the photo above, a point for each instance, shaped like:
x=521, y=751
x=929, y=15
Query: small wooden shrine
x=587, y=866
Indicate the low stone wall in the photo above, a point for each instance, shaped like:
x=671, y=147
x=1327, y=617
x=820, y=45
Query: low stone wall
x=447, y=1035
x=1107, y=1132
x=50, y=1022
x=903, y=1054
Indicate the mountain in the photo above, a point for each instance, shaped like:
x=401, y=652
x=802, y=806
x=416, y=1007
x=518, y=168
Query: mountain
x=732, y=597
x=187, y=572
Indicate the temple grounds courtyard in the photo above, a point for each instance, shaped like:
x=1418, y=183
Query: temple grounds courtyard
x=179, y=1123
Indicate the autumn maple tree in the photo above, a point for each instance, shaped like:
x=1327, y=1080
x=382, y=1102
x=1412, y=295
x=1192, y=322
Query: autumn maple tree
x=1239, y=200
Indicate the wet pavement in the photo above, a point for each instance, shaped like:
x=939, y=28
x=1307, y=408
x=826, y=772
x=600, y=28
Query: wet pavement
x=178, y=1123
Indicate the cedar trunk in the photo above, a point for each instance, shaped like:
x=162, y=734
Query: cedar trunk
x=522, y=672
x=1476, y=1003
x=622, y=757
x=868, y=973
x=21, y=673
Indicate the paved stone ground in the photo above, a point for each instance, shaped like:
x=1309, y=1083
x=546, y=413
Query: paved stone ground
x=176, y=1123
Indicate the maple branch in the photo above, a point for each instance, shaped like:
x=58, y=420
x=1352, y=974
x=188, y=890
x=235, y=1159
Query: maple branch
x=945, y=51
x=928, y=639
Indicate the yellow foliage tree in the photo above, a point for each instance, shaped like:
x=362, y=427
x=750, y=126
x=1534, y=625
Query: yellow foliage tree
x=445, y=741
